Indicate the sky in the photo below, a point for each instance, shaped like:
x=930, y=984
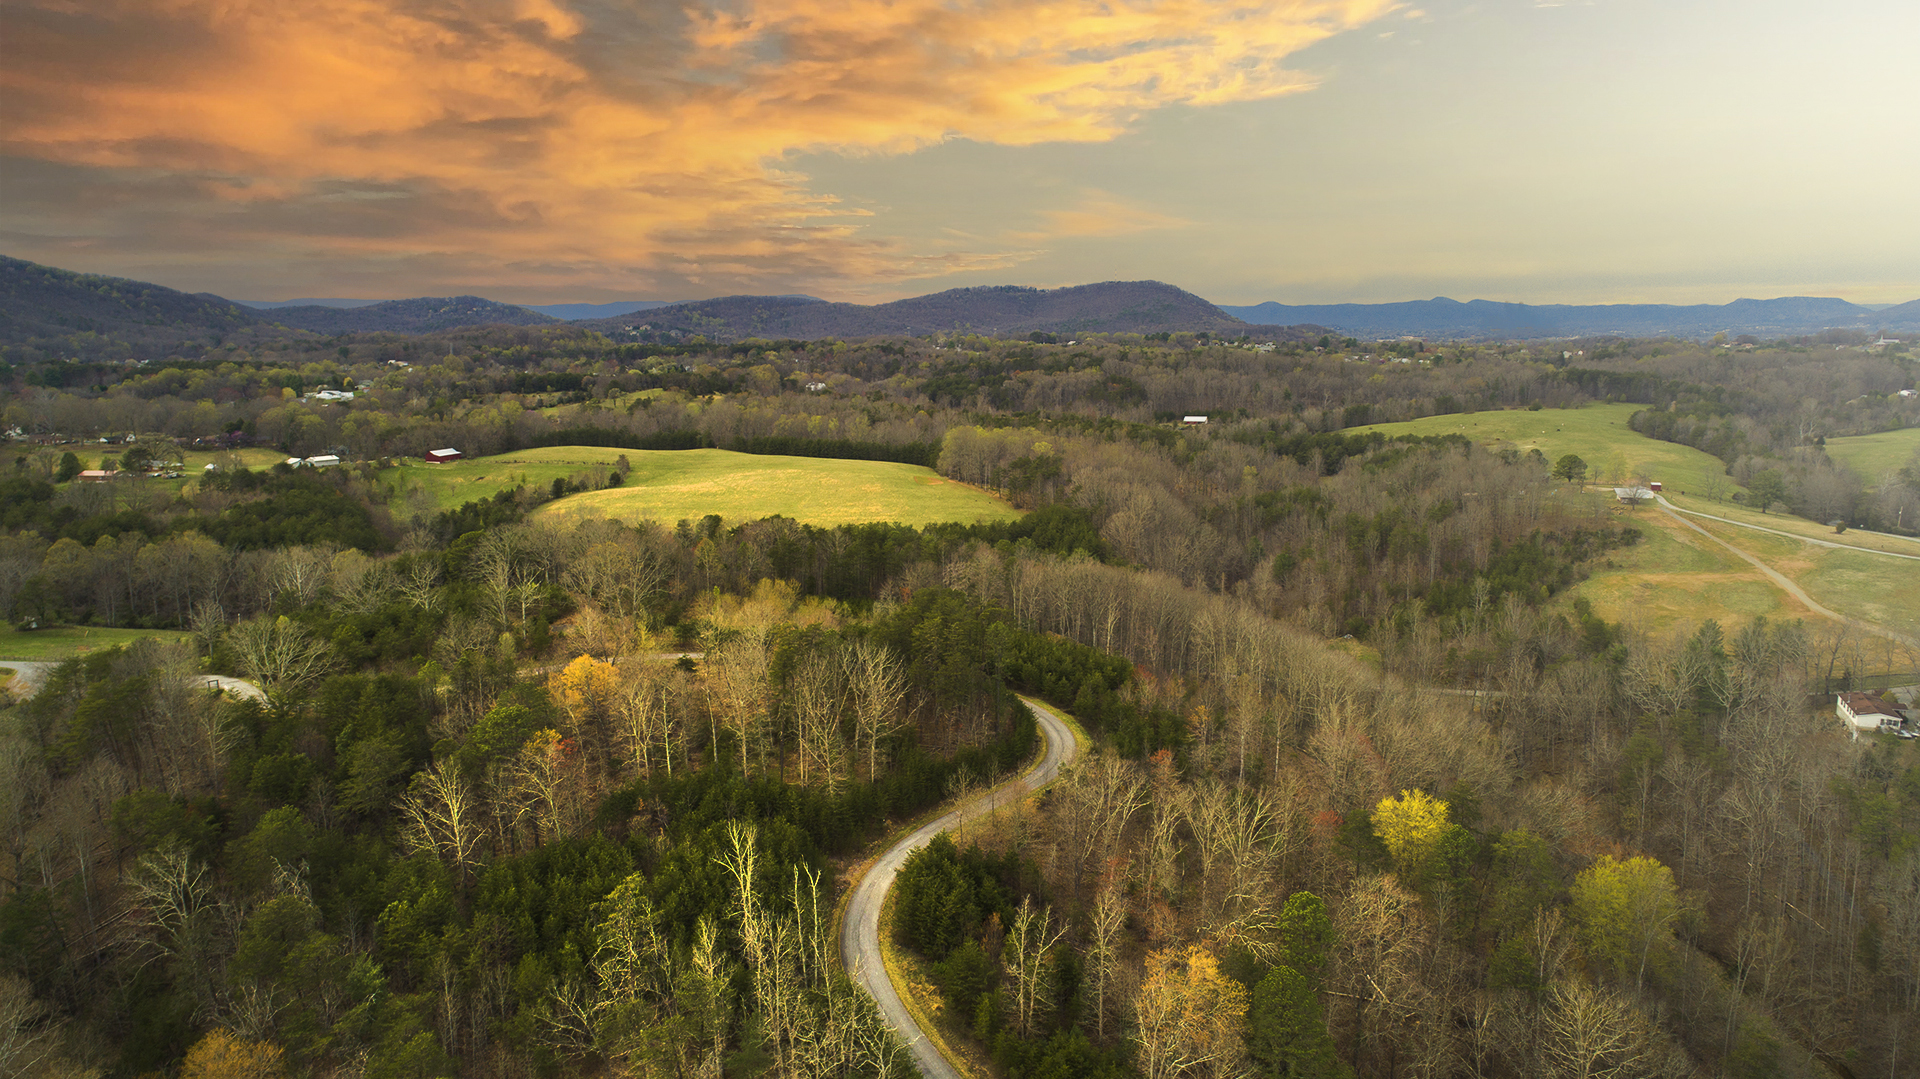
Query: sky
x=1305, y=151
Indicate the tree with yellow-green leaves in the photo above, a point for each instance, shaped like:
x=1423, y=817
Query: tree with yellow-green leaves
x=1626, y=912
x=1411, y=826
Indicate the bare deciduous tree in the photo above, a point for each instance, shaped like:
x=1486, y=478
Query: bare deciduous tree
x=878, y=686
x=442, y=814
x=815, y=694
x=281, y=655
x=1028, y=956
x=736, y=679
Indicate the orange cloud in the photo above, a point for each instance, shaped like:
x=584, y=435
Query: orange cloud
x=541, y=141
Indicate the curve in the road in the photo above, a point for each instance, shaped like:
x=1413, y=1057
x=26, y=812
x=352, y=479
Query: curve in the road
x=860, y=930
x=32, y=674
x=1788, y=586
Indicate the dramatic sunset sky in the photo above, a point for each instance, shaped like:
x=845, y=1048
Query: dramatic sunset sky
x=1298, y=150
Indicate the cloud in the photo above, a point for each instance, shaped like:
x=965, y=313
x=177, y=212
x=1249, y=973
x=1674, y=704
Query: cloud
x=636, y=144
x=1098, y=214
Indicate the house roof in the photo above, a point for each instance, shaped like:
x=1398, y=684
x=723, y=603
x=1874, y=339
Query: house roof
x=1861, y=704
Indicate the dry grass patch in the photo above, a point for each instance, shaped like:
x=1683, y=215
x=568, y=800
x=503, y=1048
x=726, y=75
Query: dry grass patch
x=1675, y=578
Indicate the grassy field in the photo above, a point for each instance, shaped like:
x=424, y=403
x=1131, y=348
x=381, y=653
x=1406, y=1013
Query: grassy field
x=1798, y=526
x=91, y=455
x=1674, y=579
x=669, y=485
x=54, y=644
x=1873, y=456
x=1884, y=591
x=1598, y=434
x=451, y=486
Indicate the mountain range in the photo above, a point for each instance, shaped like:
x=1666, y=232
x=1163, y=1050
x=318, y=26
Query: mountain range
x=55, y=313
x=1006, y=310
x=565, y=311
x=1445, y=318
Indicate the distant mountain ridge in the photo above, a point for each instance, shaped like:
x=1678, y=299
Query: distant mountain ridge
x=1008, y=310
x=427, y=314
x=1445, y=318
x=565, y=311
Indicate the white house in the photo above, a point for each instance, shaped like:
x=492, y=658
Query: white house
x=1861, y=712
x=1633, y=495
x=322, y=461
x=1193, y=421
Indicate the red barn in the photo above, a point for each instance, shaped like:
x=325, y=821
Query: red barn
x=441, y=457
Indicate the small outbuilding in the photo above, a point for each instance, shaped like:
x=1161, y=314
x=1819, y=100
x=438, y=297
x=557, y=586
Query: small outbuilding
x=441, y=457
x=1193, y=421
x=325, y=460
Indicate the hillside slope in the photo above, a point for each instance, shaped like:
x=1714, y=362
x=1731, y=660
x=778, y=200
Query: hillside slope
x=48, y=313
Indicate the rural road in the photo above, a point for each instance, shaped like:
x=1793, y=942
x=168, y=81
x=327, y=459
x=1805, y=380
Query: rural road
x=1786, y=585
x=1671, y=508
x=31, y=674
x=860, y=931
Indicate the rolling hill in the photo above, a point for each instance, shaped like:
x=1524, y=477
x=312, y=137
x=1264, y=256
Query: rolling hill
x=48, y=313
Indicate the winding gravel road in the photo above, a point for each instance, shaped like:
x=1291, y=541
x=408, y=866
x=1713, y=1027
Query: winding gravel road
x=860, y=931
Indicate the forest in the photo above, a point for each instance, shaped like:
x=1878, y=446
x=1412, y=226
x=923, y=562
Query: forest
x=1365, y=792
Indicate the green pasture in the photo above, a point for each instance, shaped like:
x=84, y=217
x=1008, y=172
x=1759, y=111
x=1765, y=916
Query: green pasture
x=669, y=485
x=1873, y=456
x=1598, y=434
x=67, y=642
